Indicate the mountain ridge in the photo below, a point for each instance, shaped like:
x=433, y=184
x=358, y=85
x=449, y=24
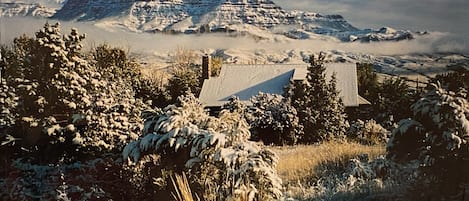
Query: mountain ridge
x=229, y=16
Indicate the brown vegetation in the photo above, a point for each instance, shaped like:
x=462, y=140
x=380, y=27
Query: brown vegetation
x=297, y=163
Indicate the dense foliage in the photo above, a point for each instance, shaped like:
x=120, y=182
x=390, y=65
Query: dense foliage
x=186, y=75
x=437, y=136
x=319, y=106
x=367, y=81
x=367, y=132
x=66, y=113
x=454, y=81
x=216, y=152
x=274, y=119
x=390, y=98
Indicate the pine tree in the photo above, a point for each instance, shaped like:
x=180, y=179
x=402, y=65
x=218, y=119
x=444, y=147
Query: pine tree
x=319, y=106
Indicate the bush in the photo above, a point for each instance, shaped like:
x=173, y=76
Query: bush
x=114, y=63
x=395, y=98
x=368, y=132
x=184, y=80
x=221, y=162
x=274, y=119
x=436, y=136
x=454, y=81
x=67, y=121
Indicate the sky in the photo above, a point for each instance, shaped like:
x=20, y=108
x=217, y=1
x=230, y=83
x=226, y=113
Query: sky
x=433, y=15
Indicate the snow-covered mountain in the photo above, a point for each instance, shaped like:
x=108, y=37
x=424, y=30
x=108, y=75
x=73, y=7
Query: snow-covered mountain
x=11, y=9
x=228, y=16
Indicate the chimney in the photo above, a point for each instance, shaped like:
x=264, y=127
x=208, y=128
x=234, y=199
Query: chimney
x=205, y=68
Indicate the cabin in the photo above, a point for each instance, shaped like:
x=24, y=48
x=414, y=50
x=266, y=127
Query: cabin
x=246, y=81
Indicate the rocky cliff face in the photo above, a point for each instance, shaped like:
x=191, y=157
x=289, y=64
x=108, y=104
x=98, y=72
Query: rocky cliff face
x=10, y=9
x=200, y=16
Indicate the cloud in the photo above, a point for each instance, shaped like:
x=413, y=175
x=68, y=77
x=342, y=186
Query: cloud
x=149, y=43
x=435, y=15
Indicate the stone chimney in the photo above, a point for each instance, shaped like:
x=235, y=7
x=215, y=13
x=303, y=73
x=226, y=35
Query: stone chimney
x=205, y=68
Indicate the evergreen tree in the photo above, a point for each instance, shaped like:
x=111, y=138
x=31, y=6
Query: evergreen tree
x=367, y=81
x=186, y=74
x=319, y=106
x=394, y=98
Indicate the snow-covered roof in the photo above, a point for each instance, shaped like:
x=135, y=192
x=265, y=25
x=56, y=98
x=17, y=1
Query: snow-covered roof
x=246, y=81
x=347, y=84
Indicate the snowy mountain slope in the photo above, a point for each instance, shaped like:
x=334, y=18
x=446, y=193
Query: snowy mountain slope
x=415, y=68
x=200, y=16
x=10, y=9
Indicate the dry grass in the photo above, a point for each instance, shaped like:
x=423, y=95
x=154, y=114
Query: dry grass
x=182, y=189
x=304, y=162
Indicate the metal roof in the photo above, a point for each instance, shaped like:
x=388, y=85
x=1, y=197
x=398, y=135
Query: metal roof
x=246, y=81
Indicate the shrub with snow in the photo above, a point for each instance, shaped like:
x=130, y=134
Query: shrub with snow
x=63, y=113
x=8, y=103
x=65, y=103
x=368, y=132
x=274, y=119
x=364, y=179
x=216, y=153
x=437, y=136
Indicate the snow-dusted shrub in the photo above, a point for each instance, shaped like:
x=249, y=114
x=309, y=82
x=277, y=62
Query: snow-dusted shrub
x=437, y=136
x=63, y=102
x=94, y=179
x=368, y=132
x=274, y=119
x=235, y=105
x=115, y=63
x=8, y=103
x=364, y=179
x=221, y=163
x=319, y=106
x=455, y=81
x=186, y=79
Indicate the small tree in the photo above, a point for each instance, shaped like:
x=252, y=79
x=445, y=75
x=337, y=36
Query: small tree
x=394, y=98
x=114, y=63
x=454, y=81
x=185, y=74
x=184, y=80
x=367, y=81
x=320, y=109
